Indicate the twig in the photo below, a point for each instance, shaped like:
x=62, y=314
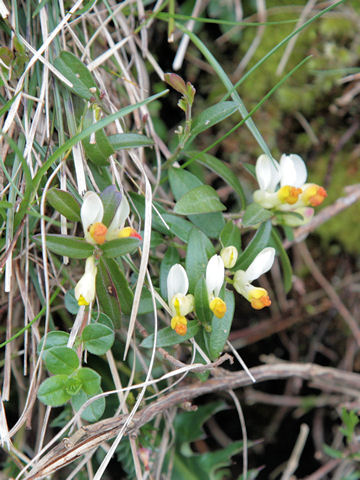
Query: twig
x=91, y=436
x=296, y=453
x=334, y=297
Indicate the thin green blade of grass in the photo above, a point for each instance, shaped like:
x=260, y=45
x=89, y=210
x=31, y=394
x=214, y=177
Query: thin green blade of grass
x=229, y=87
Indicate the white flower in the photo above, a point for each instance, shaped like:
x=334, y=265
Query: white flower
x=291, y=174
x=214, y=279
x=267, y=173
x=258, y=297
x=180, y=303
x=85, y=289
x=92, y=213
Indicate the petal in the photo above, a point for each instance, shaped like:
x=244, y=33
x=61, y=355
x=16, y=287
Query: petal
x=292, y=170
x=121, y=214
x=85, y=289
x=177, y=281
x=215, y=274
x=261, y=264
x=92, y=210
x=267, y=173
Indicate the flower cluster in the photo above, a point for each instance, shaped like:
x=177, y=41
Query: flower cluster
x=97, y=233
x=283, y=188
x=181, y=303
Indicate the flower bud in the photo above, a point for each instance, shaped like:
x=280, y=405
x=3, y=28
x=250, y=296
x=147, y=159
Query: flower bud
x=229, y=256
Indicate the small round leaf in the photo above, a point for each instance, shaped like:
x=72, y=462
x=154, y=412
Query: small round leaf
x=52, y=391
x=90, y=380
x=53, y=339
x=61, y=360
x=98, y=339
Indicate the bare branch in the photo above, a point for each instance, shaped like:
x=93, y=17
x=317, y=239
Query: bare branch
x=91, y=436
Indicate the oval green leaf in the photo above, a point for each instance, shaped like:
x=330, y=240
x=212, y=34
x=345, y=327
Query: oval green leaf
x=167, y=336
x=97, y=338
x=181, y=182
x=198, y=251
x=61, y=360
x=221, y=169
x=94, y=411
x=65, y=203
x=53, y=339
x=211, y=116
x=74, y=70
x=119, y=246
x=52, y=391
x=285, y=262
x=90, y=380
x=66, y=245
x=231, y=236
x=202, y=199
x=255, y=214
x=202, y=309
x=122, y=141
x=221, y=327
x=113, y=291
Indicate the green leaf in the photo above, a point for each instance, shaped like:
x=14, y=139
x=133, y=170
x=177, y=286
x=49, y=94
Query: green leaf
x=259, y=241
x=231, y=236
x=146, y=302
x=332, y=452
x=94, y=411
x=65, y=203
x=199, y=249
x=97, y=147
x=178, y=226
x=90, y=380
x=119, y=247
x=170, y=258
x=97, y=338
x=285, y=262
x=202, y=199
x=61, y=360
x=113, y=291
x=167, y=336
x=74, y=70
x=181, y=182
x=66, y=245
x=255, y=214
x=71, y=303
x=111, y=199
x=211, y=116
x=53, y=339
x=221, y=327
x=202, y=309
x=122, y=141
x=73, y=385
x=189, y=425
x=52, y=391
x=221, y=169
x=195, y=466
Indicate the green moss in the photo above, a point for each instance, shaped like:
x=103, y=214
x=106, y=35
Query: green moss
x=343, y=227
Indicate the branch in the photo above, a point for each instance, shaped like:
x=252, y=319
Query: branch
x=91, y=436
